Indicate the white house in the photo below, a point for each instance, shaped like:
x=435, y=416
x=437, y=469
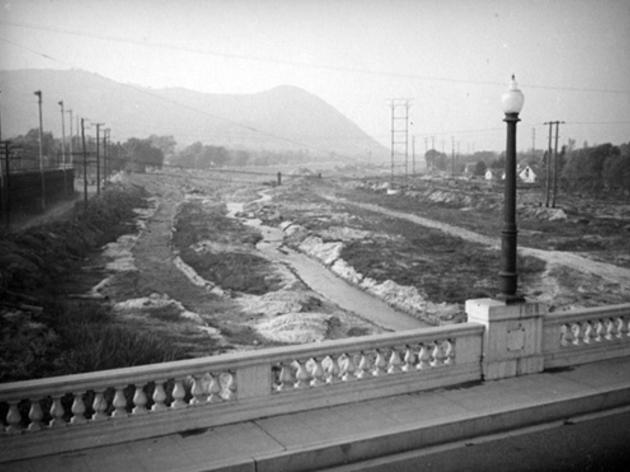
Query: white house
x=527, y=175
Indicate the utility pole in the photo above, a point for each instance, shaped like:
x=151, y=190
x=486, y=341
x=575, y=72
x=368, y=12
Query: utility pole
x=413, y=155
x=548, y=167
x=6, y=203
x=458, y=155
x=71, y=157
x=105, y=156
x=98, y=159
x=85, y=190
x=426, y=150
x=41, y=150
x=391, y=157
x=63, y=146
x=63, y=133
x=452, y=156
x=555, y=167
x=533, y=141
x=1, y=171
x=551, y=182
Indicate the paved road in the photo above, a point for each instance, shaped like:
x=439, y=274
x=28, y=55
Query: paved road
x=592, y=444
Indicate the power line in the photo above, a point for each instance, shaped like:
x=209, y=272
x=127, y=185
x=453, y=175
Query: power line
x=248, y=57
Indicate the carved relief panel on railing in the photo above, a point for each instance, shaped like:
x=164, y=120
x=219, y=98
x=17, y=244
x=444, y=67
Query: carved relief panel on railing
x=594, y=331
x=123, y=400
x=351, y=366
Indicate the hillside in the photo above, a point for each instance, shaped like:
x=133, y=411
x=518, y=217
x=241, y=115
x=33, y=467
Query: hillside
x=284, y=117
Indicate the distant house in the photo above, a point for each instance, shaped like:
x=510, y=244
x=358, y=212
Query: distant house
x=490, y=175
x=527, y=175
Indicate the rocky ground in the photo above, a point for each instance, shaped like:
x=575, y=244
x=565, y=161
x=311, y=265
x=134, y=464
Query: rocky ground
x=176, y=265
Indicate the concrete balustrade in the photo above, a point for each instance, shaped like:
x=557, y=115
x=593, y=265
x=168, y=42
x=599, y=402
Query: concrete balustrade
x=500, y=340
x=586, y=335
x=77, y=411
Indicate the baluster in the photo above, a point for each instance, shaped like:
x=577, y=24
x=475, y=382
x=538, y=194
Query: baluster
x=599, y=330
x=178, y=395
x=332, y=370
x=13, y=418
x=609, y=329
x=587, y=332
x=197, y=391
x=449, y=351
x=394, y=363
x=139, y=401
x=348, y=368
x=159, y=396
x=575, y=333
x=214, y=389
x=379, y=364
x=57, y=412
x=620, y=327
x=301, y=376
x=424, y=357
x=436, y=354
x=317, y=373
x=99, y=405
x=285, y=378
x=409, y=360
x=78, y=409
x=35, y=414
x=229, y=386
x=119, y=402
x=363, y=367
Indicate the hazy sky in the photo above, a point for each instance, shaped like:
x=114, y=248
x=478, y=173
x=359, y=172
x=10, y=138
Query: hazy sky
x=452, y=58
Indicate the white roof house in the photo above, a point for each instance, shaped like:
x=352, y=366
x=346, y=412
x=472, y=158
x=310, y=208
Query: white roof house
x=527, y=175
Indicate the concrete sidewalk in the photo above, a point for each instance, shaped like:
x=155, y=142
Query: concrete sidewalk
x=334, y=436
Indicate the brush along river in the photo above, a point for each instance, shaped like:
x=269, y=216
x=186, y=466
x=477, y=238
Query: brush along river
x=211, y=280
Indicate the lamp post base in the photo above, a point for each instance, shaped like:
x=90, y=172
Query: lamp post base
x=511, y=299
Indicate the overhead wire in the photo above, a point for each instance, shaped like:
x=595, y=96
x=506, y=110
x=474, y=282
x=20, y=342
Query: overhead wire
x=296, y=63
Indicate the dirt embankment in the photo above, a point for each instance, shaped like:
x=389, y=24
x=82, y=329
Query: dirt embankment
x=582, y=274
x=47, y=326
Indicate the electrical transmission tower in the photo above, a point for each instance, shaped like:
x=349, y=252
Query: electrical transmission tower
x=400, y=133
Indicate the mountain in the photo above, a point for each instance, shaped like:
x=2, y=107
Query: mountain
x=283, y=118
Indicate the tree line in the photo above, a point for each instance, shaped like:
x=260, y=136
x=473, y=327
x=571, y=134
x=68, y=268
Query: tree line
x=588, y=169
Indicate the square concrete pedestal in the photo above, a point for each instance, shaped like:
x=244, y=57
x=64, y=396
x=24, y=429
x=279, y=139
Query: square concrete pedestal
x=512, y=343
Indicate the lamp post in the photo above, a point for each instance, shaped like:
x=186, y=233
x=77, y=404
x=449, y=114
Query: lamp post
x=512, y=101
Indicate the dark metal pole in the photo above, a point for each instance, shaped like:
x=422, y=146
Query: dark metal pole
x=85, y=186
x=508, y=272
x=98, y=159
x=105, y=163
x=6, y=195
x=41, y=150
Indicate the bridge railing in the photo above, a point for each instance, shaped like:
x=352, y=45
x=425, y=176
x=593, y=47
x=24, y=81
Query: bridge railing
x=77, y=411
x=586, y=335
